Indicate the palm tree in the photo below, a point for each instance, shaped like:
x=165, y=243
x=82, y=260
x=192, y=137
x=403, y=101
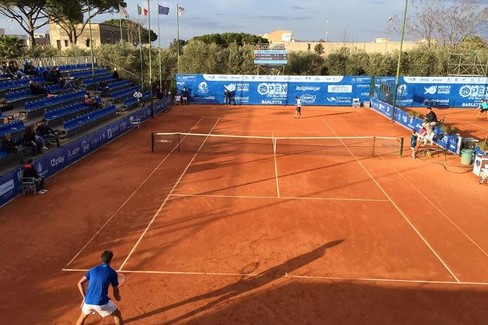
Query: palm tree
x=11, y=47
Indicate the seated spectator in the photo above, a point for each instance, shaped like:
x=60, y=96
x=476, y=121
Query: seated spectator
x=5, y=106
x=115, y=74
x=10, y=146
x=46, y=132
x=159, y=93
x=89, y=101
x=5, y=72
x=55, y=74
x=29, y=139
x=103, y=88
x=37, y=89
x=13, y=67
x=430, y=120
x=30, y=171
x=138, y=96
x=46, y=75
x=30, y=69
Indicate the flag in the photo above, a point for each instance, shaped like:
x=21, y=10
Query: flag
x=181, y=11
x=163, y=10
x=123, y=12
x=144, y=11
x=139, y=10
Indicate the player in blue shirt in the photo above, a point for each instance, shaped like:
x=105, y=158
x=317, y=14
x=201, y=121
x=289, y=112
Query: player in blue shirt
x=96, y=299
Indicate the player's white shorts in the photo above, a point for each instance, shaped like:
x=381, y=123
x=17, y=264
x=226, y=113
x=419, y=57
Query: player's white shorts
x=103, y=310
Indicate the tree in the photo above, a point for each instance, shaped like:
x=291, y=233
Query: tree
x=11, y=47
x=33, y=14
x=440, y=22
x=319, y=48
x=226, y=39
x=132, y=29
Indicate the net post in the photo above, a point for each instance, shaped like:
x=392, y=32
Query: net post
x=374, y=143
x=152, y=141
x=401, y=147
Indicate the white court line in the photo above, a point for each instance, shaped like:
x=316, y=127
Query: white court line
x=276, y=167
x=440, y=211
x=478, y=126
x=306, y=277
x=126, y=201
x=165, y=200
x=281, y=197
x=400, y=211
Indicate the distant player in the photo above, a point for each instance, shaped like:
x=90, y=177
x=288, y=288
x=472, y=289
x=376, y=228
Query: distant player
x=413, y=143
x=298, y=110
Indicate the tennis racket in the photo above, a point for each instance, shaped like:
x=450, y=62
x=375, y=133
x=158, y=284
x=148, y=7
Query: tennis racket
x=121, y=279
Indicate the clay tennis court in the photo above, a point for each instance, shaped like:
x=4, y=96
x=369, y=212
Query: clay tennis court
x=246, y=236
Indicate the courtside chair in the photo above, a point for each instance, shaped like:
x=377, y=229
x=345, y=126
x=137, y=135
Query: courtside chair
x=29, y=184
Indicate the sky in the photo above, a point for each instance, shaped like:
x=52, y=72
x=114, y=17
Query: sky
x=311, y=20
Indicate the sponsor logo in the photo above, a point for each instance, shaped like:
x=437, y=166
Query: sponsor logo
x=166, y=141
x=56, y=161
x=339, y=88
x=230, y=87
x=203, y=87
x=444, y=90
x=308, y=99
x=74, y=152
x=273, y=89
x=332, y=99
x=271, y=102
x=242, y=87
x=6, y=187
x=86, y=146
x=402, y=90
x=430, y=90
x=308, y=88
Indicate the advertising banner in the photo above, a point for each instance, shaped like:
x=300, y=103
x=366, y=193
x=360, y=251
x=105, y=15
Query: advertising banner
x=439, y=92
x=449, y=142
x=274, y=89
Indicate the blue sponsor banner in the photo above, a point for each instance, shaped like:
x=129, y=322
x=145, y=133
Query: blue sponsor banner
x=52, y=162
x=449, y=142
x=440, y=92
x=274, y=90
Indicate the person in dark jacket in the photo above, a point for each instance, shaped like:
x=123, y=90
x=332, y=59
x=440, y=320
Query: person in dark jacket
x=30, y=171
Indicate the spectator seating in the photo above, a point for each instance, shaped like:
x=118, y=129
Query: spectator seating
x=11, y=127
x=87, y=120
x=40, y=105
x=66, y=111
x=120, y=95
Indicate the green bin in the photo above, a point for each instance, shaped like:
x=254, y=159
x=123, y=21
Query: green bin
x=466, y=156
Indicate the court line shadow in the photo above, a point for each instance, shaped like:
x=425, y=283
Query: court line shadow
x=244, y=285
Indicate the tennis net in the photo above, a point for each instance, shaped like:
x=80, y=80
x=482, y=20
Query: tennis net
x=225, y=144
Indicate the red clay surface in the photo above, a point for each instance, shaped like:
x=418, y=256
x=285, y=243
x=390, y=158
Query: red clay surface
x=254, y=238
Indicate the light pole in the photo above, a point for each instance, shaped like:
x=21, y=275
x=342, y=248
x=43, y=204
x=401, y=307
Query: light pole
x=91, y=42
x=395, y=88
x=327, y=30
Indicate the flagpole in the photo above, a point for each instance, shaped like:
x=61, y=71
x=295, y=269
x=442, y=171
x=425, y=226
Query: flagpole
x=159, y=55
x=150, y=54
x=120, y=21
x=140, y=55
x=178, y=36
x=91, y=42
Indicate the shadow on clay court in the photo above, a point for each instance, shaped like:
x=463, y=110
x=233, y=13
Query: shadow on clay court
x=244, y=285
